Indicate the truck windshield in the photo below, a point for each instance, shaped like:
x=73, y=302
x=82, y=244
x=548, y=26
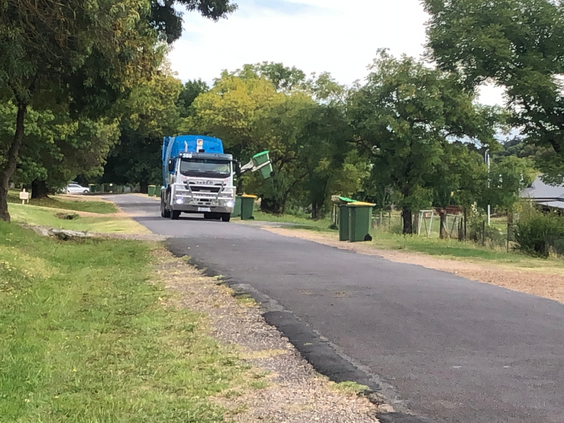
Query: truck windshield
x=205, y=167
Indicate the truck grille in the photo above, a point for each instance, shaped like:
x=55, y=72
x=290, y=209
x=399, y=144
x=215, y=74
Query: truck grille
x=205, y=189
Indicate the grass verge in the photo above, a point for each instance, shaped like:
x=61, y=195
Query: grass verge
x=60, y=202
x=446, y=248
x=298, y=222
x=37, y=215
x=85, y=336
x=453, y=249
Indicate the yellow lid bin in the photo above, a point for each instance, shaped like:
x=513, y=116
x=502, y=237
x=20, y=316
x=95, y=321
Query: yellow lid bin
x=359, y=219
x=247, y=206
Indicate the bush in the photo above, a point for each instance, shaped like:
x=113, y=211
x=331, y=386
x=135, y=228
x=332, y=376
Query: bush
x=539, y=234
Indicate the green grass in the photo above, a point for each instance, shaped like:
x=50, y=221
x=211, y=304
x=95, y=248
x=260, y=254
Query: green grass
x=85, y=337
x=45, y=217
x=60, y=202
x=299, y=222
x=448, y=248
x=452, y=248
x=351, y=388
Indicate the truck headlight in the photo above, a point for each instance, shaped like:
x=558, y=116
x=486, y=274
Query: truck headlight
x=228, y=190
x=179, y=200
x=229, y=204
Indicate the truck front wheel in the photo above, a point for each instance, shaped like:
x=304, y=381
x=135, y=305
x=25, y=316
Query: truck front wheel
x=174, y=214
x=164, y=211
x=226, y=217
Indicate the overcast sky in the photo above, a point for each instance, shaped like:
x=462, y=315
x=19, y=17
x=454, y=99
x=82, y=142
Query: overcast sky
x=340, y=37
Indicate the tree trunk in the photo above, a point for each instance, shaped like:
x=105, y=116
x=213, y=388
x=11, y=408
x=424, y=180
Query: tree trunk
x=39, y=189
x=284, y=200
x=315, y=209
x=144, y=187
x=407, y=221
x=442, y=229
x=465, y=222
x=9, y=168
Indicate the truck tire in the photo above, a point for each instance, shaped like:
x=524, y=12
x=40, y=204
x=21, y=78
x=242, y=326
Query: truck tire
x=164, y=211
x=226, y=217
x=174, y=214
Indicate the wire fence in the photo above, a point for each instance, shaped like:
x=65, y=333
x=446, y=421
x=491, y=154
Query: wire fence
x=436, y=224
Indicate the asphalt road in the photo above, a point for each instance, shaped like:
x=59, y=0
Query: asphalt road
x=444, y=348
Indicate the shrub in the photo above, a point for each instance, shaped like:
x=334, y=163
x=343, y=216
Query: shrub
x=540, y=233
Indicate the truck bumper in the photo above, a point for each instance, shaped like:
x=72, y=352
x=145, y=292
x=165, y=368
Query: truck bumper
x=201, y=209
x=188, y=204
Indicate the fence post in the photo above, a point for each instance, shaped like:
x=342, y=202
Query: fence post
x=483, y=233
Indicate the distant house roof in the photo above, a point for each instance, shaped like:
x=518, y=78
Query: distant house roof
x=546, y=195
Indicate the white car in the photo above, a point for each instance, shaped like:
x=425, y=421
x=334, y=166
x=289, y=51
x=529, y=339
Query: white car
x=76, y=189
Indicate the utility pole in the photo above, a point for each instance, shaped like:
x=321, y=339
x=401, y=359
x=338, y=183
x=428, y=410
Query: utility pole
x=487, y=160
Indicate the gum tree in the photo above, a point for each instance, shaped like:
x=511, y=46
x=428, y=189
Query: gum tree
x=516, y=44
x=74, y=56
x=404, y=117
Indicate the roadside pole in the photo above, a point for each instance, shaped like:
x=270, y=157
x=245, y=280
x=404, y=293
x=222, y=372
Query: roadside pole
x=487, y=160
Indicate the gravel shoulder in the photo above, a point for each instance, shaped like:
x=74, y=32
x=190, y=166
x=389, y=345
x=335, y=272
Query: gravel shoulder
x=287, y=388
x=539, y=282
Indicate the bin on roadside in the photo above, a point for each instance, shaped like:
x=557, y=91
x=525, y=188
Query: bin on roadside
x=237, y=207
x=359, y=216
x=343, y=222
x=92, y=187
x=151, y=190
x=247, y=206
x=261, y=158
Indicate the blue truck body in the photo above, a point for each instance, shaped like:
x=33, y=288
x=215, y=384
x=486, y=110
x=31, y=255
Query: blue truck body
x=174, y=146
x=197, y=177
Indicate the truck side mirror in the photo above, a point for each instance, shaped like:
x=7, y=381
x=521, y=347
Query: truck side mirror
x=171, y=165
x=237, y=166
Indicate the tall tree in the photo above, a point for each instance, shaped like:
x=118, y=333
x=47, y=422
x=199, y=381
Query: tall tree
x=58, y=148
x=166, y=15
x=404, y=118
x=149, y=113
x=78, y=55
x=518, y=45
x=190, y=90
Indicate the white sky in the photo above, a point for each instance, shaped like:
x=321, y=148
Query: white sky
x=337, y=36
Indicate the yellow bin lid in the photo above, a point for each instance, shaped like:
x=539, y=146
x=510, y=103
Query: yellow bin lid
x=249, y=196
x=360, y=204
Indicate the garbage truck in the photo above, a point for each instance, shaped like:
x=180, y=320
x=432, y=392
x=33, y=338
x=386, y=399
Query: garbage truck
x=198, y=177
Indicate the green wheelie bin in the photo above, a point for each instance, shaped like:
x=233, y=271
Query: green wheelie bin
x=261, y=158
x=247, y=206
x=151, y=190
x=343, y=222
x=237, y=207
x=360, y=215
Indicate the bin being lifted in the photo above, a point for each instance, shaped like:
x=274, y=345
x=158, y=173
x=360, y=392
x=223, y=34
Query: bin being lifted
x=260, y=161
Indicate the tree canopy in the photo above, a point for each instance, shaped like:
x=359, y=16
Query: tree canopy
x=404, y=119
x=79, y=57
x=517, y=44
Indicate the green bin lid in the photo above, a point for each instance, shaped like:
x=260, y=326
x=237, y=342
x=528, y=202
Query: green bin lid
x=261, y=154
x=346, y=200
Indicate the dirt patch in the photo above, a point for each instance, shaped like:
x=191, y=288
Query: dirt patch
x=287, y=388
x=530, y=281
